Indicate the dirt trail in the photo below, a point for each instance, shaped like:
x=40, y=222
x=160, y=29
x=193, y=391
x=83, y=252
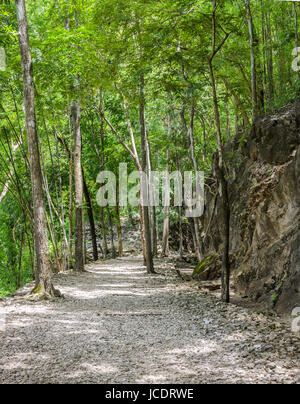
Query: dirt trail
x=116, y=324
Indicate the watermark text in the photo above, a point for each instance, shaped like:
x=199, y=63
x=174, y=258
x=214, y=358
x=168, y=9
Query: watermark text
x=2, y=60
x=160, y=188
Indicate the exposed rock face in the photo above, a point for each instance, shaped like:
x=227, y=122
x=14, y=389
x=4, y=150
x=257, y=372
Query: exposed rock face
x=264, y=190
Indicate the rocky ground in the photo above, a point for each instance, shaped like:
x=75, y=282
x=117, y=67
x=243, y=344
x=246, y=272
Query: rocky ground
x=116, y=324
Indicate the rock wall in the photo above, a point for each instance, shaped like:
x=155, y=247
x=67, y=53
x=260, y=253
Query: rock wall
x=264, y=188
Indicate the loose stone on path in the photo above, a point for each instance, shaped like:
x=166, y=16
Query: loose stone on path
x=116, y=324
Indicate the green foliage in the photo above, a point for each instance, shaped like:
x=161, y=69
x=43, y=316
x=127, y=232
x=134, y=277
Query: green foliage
x=107, y=46
x=204, y=265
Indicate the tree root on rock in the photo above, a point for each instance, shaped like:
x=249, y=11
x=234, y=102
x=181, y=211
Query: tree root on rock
x=40, y=293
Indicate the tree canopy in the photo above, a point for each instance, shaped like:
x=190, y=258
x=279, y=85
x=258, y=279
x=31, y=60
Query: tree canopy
x=104, y=54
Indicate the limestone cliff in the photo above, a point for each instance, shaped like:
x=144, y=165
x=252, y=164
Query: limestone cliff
x=264, y=188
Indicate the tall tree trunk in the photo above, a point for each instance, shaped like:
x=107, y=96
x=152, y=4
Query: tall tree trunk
x=104, y=233
x=79, y=253
x=270, y=68
x=91, y=218
x=189, y=133
x=149, y=256
x=296, y=28
x=228, y=127
x=71, y=204
x=165, y=239
x=166, y=226
x=181, y=247
x=195, y=167
x=54, y=235
x=44, y=273
x=142, y=231
x=220, y=166
x=78, y=180
x=153, y=216
x=84, y=239
x=154, y=232
x=238, y=102
x=119, y=226
x=220, y=172
x=253, y=51
x=135, y=157
x=296, y=24
x=62, y=210
x=111, y=228
x=248, y=84
x=180, y=232
x=19, y=274
x=51, y=226
x=31, y=251
x=102, y=221
x=130, y=215
x=264, y=46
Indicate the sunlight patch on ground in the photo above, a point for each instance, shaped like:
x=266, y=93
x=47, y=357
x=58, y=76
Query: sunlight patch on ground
x=23, y=360
x=98, y=294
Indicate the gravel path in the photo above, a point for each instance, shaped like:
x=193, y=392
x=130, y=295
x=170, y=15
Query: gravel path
x=116, y=324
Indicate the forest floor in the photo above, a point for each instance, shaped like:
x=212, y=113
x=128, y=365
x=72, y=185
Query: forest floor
x=116, y=324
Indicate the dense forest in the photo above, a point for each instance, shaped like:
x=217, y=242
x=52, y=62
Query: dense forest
x=87, y=85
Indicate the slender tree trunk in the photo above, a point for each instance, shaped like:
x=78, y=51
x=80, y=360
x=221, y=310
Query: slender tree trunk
x=264, y=49
x=296, y=24
x=130, y=215
x=51, y=226
x=253, y=51
x=55, y=238
x=31, y=252
x=104, y=234
x=91, y=218
x=220, y=168
x=189, y=133
x=102, y=221
x=180, y=232
x=78, y=180
x=166, y=227
x=220, y=171
x=238, y=102
x=248, y=84
x=228, y=128
x=270, y=68
x=119, y=226
x=181, y=247
x=142, y=231
x=195, y=166
x=165, y=239
x=296, y=27
x=154, y=232
x=204, y=139
x=19, y=276
x=62, y=211
x=84, y=239
x=134, y=155
x=71, y=204
x=44, y=273
x=79, y=253
x=153, y=221
x=149, y=256
x=71, y=174
x=111, y=228
x=61, y=264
